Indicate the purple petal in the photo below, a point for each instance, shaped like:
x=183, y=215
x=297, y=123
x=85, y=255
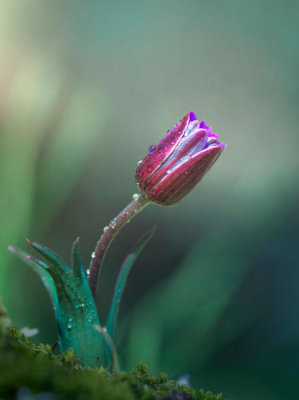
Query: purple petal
x=203, y=125
x=192, y=116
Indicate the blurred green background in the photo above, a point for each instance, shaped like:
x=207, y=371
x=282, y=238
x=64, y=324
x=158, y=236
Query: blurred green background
x=85, y=88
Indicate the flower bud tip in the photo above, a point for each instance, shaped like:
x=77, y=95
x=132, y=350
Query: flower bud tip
x=173, y=167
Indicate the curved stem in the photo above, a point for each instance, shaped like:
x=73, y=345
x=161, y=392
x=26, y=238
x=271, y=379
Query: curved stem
x=138, y=203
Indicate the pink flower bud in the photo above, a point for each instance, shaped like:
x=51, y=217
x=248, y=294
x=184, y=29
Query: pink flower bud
x=173, y=167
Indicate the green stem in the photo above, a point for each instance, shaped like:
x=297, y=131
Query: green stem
x=110, y=232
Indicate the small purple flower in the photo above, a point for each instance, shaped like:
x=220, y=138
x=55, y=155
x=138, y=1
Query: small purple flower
x=173, y=167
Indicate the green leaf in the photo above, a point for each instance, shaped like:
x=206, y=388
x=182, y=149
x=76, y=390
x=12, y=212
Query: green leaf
x=74, y=306
x=41, y=269
x=49, y=256
x=111, y=345
x=77, y=266
x=121, y=282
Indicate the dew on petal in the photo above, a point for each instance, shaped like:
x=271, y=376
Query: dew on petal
x=152, y=148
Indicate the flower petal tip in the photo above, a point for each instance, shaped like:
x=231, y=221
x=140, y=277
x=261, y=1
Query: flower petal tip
x=203, y=124
x=192, y=116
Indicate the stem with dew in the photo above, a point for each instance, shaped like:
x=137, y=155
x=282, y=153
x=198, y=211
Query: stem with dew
x=110, y=231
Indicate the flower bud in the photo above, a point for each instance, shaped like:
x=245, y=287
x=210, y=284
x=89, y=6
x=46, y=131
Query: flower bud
x=173, y=167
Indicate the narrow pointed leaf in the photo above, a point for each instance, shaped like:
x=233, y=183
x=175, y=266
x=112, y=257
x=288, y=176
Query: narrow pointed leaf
x=111, y=345
x=41, y=269
x=77, y=266
x=121, y=282
x=49, y=256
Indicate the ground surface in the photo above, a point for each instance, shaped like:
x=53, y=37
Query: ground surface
x=28, y=371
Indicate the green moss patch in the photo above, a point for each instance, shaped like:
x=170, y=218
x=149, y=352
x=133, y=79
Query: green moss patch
x=29, y=371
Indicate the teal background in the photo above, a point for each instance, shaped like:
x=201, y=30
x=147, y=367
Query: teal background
x=85, y=88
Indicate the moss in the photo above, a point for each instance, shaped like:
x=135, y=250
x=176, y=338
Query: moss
x=29, y=371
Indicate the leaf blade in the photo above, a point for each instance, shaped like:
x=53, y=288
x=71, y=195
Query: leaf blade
x=121, y=282
x=75, y=310
x=77, y=266
x=49, y=256
x=41, y=269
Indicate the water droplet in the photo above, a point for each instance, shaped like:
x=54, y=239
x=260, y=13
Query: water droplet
x=152, y=148
x=136, y=196
x=112, y=224
x=82, y=305
x=70, y=320
x=139, y=163
x=93, y=255
x=69, y=327
x=88, y=273
x=106, y=229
